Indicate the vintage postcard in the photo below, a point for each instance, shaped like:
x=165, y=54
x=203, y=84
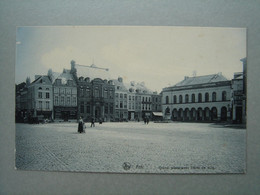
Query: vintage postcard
x=131, y=99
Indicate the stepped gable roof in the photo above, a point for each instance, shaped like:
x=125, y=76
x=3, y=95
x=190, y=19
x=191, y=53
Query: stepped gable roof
x=197, y=80
x=41, y=79
x=92, y=72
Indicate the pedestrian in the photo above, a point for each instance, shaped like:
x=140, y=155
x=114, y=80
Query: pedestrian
x=92, y=122
x=144, y=120
x=81, y=125
x=100, y=121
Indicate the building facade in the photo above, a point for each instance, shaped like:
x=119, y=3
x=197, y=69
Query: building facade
x=139, y=100
x=64, y=95
x=95, y=99
x=39, y=97
x=121, y=100
x=201, y=98
x=96, y=93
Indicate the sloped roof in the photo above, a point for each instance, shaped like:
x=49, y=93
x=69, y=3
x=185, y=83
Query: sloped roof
x=120, y=84
x=92, y=72
x=138, y=86
x=42, y=78
x=54, y=76
x=201, y=80
x=65, y=76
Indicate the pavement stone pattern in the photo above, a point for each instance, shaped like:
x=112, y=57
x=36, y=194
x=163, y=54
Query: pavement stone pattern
x=131, y=147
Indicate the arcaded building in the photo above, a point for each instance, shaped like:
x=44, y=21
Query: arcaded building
x=198, y=98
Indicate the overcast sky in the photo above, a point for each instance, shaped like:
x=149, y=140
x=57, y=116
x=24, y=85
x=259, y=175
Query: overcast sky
x=159, y=56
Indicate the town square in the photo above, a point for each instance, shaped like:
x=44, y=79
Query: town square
x=148, y=148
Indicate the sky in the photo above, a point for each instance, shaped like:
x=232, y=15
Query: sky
x=159, y=56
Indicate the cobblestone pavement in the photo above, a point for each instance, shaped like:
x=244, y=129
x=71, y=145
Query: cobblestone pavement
x=131, y=147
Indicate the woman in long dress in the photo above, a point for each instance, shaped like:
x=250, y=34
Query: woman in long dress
x=81, y=125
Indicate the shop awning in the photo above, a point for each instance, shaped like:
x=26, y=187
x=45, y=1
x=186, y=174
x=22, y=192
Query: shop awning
x=157, y=114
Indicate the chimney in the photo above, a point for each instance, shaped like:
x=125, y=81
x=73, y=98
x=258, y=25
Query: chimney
x=186, y=77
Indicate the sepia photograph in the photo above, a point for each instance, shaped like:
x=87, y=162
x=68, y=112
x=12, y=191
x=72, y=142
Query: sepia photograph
x=131, y=99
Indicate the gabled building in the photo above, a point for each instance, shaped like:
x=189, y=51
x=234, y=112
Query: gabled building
x=121, y=100
x=64, y=95
x=199, y=98
x=39, y=97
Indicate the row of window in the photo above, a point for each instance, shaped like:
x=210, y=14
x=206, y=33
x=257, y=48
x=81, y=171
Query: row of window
x=61, y=101
x=97, y=93
x=69, y=82
x=147, y=107
x=121, y=95
x=65, y=90
x=47, y=89
x=121, y=104
x=108, y=109
x=40, y=95
x=40, y=105
x=187, y=98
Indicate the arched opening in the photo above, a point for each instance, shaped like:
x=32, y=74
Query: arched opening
x=206, y=97
x=199, y=97
x=174, y=114
x=193, y=114
x=193, y=98
x=174, y=99
x=223, y=113
x=199, y=114
x=180, y=99
x=214, y=114
x=167, y=99
x=180, y=114
x=214, y=96
x=206, y=114
x=186, y=114
x=186, y=98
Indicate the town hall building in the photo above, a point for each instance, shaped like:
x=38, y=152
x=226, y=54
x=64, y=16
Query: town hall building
x=198, y=98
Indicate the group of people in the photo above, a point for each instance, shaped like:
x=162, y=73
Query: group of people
x=146, y=120
x=82, y=126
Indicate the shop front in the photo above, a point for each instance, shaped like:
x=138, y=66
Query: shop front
x=65, y=113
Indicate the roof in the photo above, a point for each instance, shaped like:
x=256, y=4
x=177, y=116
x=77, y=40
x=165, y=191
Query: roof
x=197, y=80
x=92, y=72
x=54, y=76
x=138, y=86
x=42, y=78
x=65, y=76
x=157, y=114
x=120, y=84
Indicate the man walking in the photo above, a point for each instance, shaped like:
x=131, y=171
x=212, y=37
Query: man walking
x=92, y=122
